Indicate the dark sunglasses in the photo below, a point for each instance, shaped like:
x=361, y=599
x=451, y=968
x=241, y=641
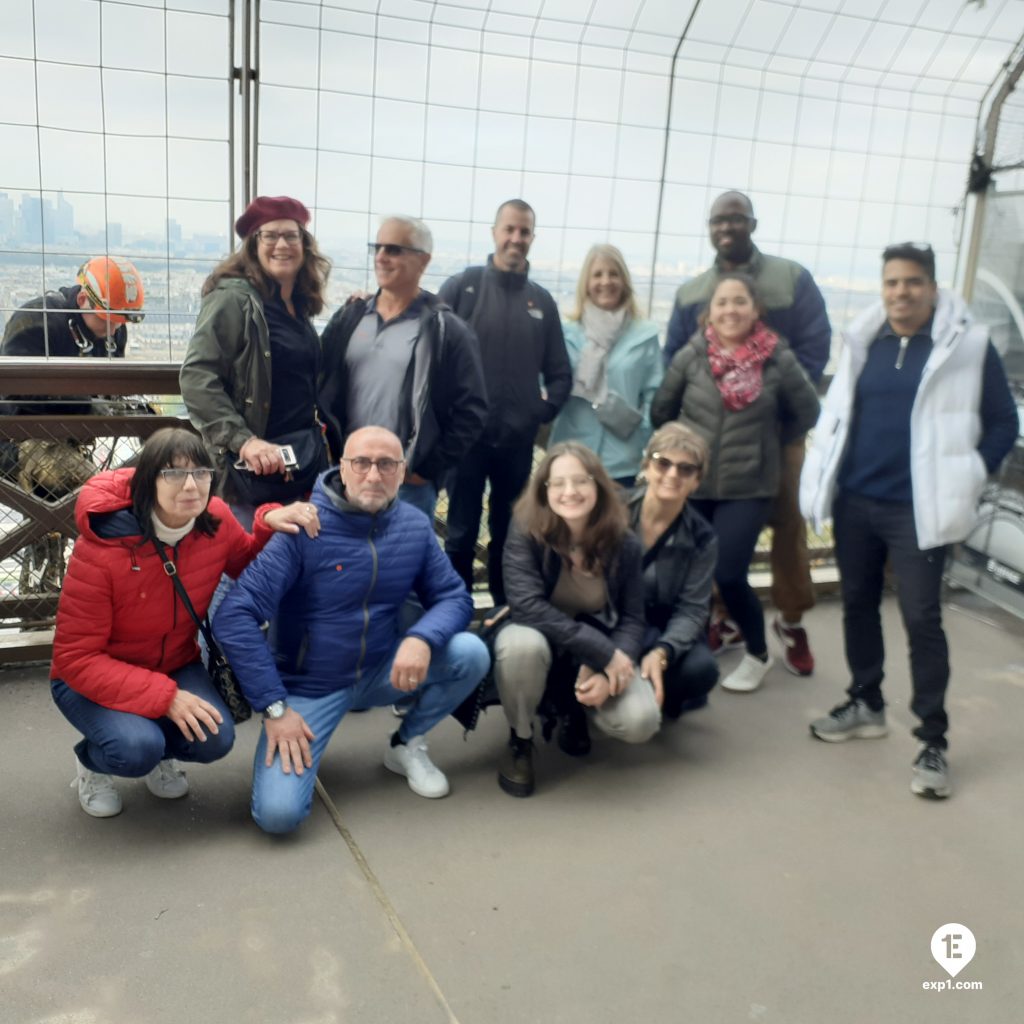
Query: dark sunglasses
x=391, y=249
x=684, y=469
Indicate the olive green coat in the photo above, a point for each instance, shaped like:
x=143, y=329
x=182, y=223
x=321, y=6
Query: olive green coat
x=225, y=375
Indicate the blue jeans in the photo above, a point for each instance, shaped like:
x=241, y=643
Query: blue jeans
x=421, y=496
x=280, y=802
x=120, y=743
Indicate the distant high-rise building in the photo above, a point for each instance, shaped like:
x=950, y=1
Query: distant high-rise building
x=62, y=227
x=31, y=227
x=7, y=221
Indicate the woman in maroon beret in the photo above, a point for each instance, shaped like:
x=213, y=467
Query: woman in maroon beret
x=250, y=373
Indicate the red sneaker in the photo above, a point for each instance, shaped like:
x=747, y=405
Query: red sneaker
x=724, y=635
x=796, y=652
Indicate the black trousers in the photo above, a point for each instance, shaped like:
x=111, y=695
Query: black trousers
x=867, y=533
x=689, y=680
x=508, y=470
x=738, y=523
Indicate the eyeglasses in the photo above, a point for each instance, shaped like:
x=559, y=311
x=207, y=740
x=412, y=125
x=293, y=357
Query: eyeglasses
x=176, y=476
x=559, y=483
x=729, y=220
x=273, y=237
x=361, y=465
x=685, y=469
x=392, y=249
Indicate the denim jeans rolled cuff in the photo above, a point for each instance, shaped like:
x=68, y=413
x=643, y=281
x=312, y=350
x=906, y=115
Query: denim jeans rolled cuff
x=281, y=802
x=128, y=745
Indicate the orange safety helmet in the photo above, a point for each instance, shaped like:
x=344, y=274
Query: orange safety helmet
x=114, y=289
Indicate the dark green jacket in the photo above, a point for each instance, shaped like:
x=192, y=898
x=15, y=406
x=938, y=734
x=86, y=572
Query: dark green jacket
x=744, y=445
x=225, y=375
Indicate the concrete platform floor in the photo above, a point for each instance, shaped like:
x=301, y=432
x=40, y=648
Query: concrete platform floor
x=732, y=870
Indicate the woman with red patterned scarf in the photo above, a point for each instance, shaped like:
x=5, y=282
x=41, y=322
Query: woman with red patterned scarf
x=739, y=385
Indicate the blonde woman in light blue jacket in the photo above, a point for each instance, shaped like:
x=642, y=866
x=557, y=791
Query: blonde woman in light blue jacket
x=616, y=364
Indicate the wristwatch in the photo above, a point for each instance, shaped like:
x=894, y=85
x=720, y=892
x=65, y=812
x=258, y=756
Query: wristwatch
x=276, y=710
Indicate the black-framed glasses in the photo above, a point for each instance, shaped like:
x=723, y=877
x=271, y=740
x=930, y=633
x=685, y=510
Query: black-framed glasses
x=176, y=476
x=361, y=465
x=273, y=237
x=665, y=465
x=729, y=220
x=393, y=249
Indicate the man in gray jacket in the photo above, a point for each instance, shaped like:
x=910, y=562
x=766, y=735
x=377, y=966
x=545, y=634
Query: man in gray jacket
x=402, y=361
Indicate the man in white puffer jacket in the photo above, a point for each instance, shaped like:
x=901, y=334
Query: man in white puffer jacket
x=918, y=415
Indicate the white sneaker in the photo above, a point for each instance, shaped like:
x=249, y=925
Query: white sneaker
x=748, y=675
x=96, y=792
x=410, y=759
x=167, y=781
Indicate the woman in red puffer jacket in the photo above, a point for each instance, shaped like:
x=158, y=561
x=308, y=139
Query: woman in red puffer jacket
x=126, y=670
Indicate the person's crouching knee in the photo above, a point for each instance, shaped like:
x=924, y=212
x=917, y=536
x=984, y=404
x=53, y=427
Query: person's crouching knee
x=216, y=745
x=278, y=816
x=640, y=726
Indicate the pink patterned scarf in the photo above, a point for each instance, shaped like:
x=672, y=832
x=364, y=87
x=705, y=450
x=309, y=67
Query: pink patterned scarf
x=737, y=372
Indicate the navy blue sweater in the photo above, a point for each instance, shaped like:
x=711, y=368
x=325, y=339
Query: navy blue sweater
x=877, y=460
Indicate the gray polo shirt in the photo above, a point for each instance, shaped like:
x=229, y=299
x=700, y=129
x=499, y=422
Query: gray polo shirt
x=378, y=358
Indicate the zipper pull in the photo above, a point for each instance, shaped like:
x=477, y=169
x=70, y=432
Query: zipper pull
x=904, y=342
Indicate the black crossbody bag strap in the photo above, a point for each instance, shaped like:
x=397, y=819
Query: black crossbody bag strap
x=172, y=570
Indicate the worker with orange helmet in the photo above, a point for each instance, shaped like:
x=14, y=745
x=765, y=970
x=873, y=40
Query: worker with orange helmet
x=85, y=319
x=88, y=318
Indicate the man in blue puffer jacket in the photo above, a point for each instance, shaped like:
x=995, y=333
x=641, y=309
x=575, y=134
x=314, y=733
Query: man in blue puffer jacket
x=336, y=600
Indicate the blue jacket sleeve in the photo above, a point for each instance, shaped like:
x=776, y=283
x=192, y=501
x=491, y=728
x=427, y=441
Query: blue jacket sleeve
x=449, y=608
x=1000, y=422
x=252, y=601
x=810, y=333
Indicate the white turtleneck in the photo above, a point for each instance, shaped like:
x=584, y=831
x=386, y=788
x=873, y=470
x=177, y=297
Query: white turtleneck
x=170, y=534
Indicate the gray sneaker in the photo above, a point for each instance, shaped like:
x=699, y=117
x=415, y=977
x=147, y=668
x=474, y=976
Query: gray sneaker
x=931, y=775
x=852, y=720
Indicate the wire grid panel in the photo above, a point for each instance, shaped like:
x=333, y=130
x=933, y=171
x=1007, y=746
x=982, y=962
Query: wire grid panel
x=849, y=124
x=115, y=131
x=49, y=469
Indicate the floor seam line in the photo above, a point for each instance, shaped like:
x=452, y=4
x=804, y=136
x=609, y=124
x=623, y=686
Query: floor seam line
x=386, y=905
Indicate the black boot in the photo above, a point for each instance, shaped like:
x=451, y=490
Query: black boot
x=515, y=773
x=573, y=733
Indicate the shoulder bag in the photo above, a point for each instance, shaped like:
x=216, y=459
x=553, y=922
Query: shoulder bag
x=224, y=680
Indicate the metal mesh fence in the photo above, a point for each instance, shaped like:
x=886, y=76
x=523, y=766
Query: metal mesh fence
x=849, y=122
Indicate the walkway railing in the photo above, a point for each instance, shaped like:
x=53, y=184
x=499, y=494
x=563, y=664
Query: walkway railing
x=47, y=457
